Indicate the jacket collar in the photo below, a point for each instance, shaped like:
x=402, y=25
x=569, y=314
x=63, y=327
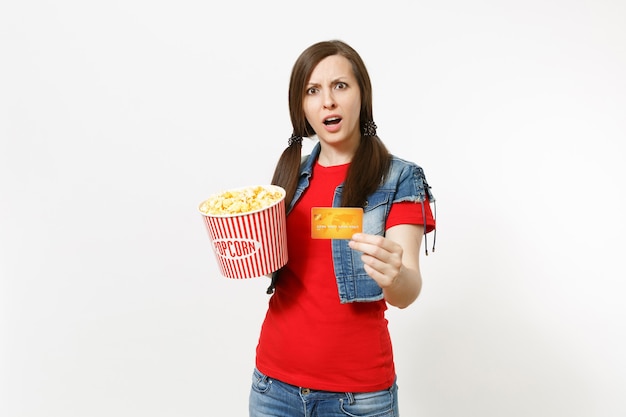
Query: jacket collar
x=308, y=161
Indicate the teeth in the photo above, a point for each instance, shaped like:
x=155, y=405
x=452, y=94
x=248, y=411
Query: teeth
x=332, y=119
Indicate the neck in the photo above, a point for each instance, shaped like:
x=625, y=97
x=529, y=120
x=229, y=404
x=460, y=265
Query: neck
x=326, y=161
x=333, y=155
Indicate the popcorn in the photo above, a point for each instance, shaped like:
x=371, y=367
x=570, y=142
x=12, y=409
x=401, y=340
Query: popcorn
x=240, y=201
x=247, y=229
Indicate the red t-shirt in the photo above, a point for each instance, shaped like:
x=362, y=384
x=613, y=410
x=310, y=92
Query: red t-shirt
x=309, y=339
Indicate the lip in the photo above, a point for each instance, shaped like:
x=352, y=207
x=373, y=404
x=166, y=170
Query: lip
x=332, y=128
x=332, y=116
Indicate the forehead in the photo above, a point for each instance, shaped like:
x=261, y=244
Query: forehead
x=331, y=68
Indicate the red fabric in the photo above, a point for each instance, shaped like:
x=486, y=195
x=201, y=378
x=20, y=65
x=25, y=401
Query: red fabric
x=408, y=212
x=309, y=339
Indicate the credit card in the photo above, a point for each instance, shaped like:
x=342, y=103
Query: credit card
x=336, y=222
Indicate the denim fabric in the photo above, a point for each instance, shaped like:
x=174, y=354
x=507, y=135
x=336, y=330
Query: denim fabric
x=272, y=398
x=405, y=181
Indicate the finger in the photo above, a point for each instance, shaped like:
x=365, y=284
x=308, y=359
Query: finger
x=367, y=238
x=370, y=252
x=362, y=239
x=380, y=273
x=376, y=246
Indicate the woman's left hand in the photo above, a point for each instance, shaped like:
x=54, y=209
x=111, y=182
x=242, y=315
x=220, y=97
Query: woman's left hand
x=393, y=261
x=382, y=257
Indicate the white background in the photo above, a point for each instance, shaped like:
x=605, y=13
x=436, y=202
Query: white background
x=117, y=118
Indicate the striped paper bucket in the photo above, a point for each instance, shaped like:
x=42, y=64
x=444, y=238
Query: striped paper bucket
x=252, y=244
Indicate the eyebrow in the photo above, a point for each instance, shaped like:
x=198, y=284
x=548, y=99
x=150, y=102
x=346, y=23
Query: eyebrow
x=341, y=79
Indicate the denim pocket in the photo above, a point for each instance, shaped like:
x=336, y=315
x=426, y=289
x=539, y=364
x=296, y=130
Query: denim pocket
x=260, y=382
x=375, y=212
x=371, y=404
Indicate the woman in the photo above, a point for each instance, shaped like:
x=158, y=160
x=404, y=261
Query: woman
x=324, y=348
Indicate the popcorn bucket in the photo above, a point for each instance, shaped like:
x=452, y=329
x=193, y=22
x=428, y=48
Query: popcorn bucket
x=249, y=244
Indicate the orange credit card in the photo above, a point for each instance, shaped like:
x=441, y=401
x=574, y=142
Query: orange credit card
x=336, y=222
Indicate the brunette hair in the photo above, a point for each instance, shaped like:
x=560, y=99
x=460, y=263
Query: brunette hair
x=371, y=160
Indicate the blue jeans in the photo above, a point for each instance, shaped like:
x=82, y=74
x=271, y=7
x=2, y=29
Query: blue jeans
x=272, y=398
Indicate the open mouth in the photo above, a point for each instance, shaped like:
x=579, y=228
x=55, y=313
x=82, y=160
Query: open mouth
x=332, y=121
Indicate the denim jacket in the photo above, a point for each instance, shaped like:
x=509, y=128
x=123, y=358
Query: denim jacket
x=405, y=181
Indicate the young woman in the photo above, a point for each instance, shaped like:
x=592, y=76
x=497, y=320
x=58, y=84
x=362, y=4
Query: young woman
x=324, y=347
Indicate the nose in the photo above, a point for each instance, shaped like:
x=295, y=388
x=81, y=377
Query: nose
x=329, y=100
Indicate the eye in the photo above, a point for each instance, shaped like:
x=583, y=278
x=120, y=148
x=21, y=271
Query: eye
x=341, y=85
x=311, y=90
